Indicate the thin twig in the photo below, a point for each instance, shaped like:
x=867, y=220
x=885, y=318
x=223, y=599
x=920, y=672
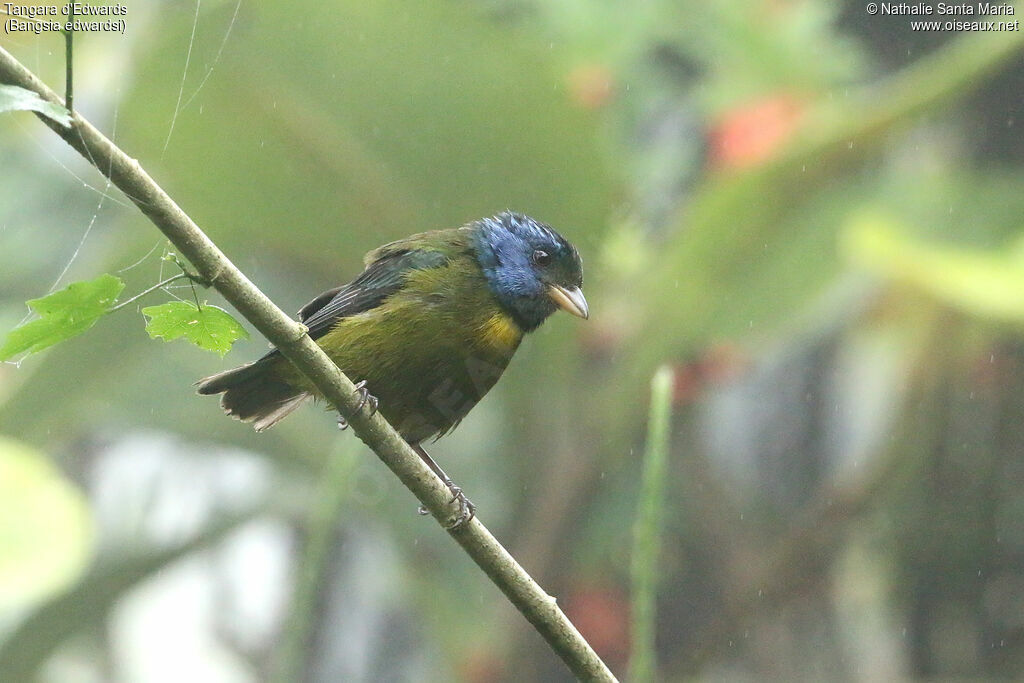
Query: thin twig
x=164, y=283
x=291, y=339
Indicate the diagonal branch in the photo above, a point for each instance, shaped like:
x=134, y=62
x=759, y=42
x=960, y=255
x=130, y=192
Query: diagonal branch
x=291, y=339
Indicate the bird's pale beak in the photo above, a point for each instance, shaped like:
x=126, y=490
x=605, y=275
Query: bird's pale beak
x=569, y=299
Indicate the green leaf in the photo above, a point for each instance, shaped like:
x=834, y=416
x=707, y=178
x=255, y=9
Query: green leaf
x=988, y=284
x=209, y=327
x=13, y=98
x=65, y=314
x=46, y=530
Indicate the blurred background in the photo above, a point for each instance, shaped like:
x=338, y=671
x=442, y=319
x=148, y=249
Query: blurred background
x=814, y=215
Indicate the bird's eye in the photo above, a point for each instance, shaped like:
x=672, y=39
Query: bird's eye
x=541, y=257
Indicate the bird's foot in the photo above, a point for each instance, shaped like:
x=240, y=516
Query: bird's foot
x=466, y=508
x=365, y=398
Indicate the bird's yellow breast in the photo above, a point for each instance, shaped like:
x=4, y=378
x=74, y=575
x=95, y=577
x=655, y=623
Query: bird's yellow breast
x=501, y=331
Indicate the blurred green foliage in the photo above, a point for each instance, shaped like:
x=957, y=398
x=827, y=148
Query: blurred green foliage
x=46, y=531
x=979, y=283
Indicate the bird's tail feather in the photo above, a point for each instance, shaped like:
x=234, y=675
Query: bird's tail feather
x=253, y=393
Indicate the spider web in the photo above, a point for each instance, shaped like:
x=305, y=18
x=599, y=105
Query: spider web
x=104, y=191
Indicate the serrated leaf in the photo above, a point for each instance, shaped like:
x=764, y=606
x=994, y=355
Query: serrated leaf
x=13, y=98
x=209, y=327
x=64, y=314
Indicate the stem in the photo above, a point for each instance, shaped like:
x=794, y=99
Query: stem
x=330, y=497
x=291, y=340
x=195, y=295
x=143, y=293
x=647, y=531
x=69, y=39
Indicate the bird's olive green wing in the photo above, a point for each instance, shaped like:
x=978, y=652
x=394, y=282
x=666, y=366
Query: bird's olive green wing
x=382, y=278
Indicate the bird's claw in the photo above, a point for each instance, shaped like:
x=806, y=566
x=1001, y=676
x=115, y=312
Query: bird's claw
x=466, y=508
x=365, y=398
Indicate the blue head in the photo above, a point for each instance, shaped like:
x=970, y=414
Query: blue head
x=532, y=270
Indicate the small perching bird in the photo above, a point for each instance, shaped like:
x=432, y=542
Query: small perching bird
x=426, y=329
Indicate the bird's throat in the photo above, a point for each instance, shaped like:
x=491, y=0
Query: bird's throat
x=501, y=331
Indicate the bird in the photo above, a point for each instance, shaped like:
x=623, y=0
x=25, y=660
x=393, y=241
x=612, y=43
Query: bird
x=425, y=330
